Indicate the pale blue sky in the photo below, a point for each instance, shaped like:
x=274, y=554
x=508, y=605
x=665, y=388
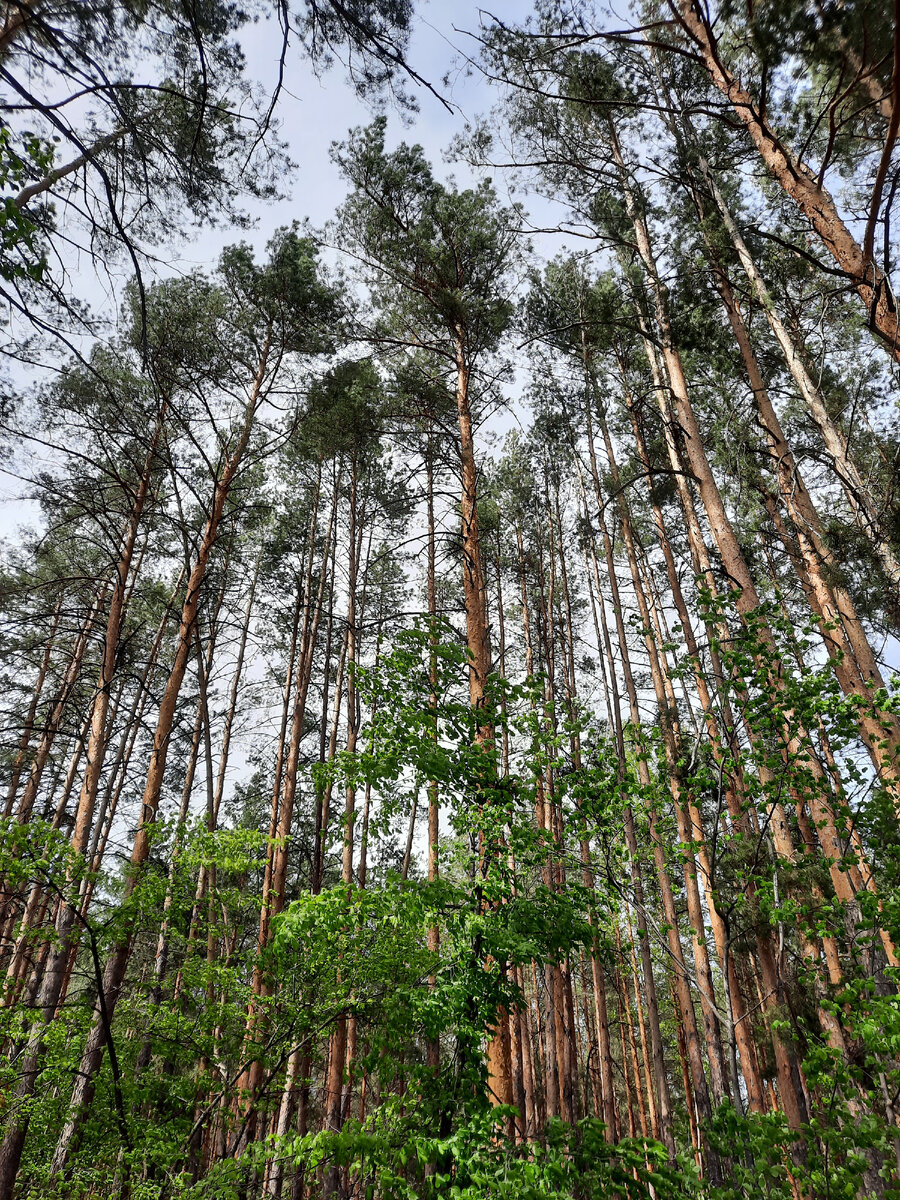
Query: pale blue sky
x=315, y=112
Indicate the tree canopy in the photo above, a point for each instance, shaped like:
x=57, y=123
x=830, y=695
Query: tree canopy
x=450, y=717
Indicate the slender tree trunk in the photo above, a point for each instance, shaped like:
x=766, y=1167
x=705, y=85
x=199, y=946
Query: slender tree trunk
x=663, y=1099
x=114, y=973
x=341, y=1035
x=28, y=723
x=478, y=640
x=58, y=708
x=433, y=1047
x=275, y=878
x=11, y=1149
x=671, y=735
x=737, y=1007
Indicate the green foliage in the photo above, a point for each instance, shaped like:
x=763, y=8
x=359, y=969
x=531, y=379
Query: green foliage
x=438, y=259
x=476, y=1162
x=22, y=256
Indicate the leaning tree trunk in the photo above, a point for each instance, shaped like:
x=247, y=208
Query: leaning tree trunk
x=857, y=491
x=796, y=179
x=67, y=912
x=114, y=973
